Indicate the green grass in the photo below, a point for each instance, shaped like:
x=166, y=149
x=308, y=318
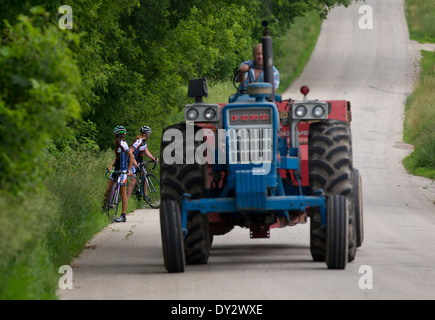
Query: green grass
x=219, y=92
x=47, y=229
x=25, y=268
x=420, y=15
x=419, y=124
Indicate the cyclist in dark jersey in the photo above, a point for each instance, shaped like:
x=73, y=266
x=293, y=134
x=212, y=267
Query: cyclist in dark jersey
x=124, y=160
x=140, y=148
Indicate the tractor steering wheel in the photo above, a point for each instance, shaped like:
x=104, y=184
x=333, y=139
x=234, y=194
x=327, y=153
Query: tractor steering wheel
x=236, y=75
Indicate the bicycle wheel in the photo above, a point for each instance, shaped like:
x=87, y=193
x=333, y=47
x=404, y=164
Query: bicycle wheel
x=152, y=198
x=112, y=205
x=109, y=203
x=137, y=189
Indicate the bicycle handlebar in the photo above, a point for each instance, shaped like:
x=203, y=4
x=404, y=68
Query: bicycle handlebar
x=149, y=161
x=116, y=171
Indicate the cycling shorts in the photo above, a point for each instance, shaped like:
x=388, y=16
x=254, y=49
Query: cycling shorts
x=134, y=171
x=123, y=179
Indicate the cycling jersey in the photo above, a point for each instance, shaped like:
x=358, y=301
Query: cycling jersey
x=122, y=156
x=139, y=147
x=121, y=162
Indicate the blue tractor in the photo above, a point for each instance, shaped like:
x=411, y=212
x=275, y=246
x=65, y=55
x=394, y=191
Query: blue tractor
x=246, y=163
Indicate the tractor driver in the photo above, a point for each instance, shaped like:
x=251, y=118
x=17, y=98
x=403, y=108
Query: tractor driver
x=252, y=70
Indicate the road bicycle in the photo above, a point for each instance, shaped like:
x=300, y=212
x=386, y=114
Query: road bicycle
x=111, y=208
x=147, y=185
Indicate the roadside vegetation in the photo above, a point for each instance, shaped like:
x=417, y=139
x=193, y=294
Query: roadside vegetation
x=420, y=15
x=124, y=62
x=419, y=123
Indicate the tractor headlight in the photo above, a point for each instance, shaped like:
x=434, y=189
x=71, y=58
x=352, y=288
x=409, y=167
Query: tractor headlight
x=300, y=111
x=192, y=114
x=202, y=112
x=318, y=111
x=209, y=113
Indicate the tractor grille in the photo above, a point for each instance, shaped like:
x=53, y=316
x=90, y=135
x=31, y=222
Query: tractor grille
x=250, y=146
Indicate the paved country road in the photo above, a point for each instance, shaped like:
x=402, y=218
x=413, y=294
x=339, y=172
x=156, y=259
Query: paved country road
x=374, y=69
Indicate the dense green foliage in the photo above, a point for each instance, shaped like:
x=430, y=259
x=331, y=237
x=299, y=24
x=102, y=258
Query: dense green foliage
x=62, y=91
x=38, y=80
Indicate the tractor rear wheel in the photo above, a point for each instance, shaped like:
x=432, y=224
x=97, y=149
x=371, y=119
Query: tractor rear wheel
x=330, y=163
x=179, y=177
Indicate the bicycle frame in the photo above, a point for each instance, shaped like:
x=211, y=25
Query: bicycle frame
x=144, y=177
x=147, y=186
x=115, y=190
x=150, y=184
x=114, y=194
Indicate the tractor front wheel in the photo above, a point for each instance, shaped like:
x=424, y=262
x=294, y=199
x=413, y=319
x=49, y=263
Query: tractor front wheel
x=172, y=236
x=180, y=177
x=358, y=207
x=337, y=232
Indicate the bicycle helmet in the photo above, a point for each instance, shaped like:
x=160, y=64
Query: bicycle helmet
x=145, y=130
x=119, y=130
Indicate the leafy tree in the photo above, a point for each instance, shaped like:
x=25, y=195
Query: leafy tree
x=38, y=80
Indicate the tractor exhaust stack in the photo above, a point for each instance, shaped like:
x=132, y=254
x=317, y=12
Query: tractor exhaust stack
x=268, y=57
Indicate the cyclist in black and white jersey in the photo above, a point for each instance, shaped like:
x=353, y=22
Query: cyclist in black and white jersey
x=124, y=160
x=140, y=147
